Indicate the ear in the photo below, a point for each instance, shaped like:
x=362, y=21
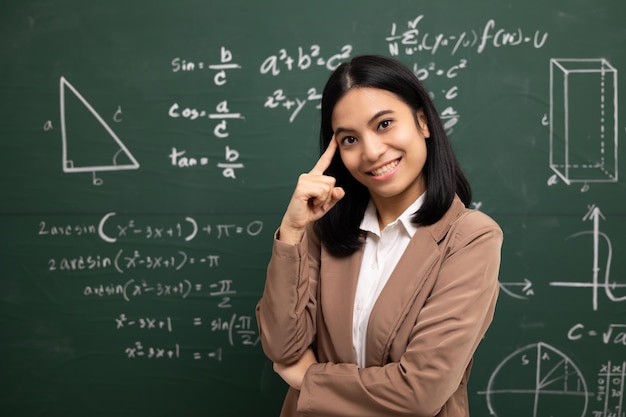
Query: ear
x=422, y=122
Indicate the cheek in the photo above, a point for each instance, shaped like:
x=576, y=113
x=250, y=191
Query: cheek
x=346, y=158
x=417, y=149
x=422, y=148
x=351, y=162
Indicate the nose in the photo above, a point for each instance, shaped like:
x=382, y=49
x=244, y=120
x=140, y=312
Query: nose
x=373, y=147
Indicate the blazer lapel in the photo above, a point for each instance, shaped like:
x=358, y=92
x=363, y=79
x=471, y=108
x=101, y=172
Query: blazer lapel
x=406, y=280
x=337, y=297
x=396, y=297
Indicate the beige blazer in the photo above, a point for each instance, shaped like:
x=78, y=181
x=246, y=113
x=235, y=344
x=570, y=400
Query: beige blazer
x=422, y=332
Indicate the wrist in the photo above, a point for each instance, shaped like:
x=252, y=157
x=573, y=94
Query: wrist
x=289, y=234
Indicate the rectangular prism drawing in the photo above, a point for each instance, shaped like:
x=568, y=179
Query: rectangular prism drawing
x=583, y=120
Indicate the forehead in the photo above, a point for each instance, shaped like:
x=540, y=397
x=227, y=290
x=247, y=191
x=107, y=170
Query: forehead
x=364, y=102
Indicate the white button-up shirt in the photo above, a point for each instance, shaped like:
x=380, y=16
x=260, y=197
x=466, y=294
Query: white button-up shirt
x=380, y=255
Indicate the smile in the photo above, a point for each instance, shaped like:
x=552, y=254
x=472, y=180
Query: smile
x=385, y=168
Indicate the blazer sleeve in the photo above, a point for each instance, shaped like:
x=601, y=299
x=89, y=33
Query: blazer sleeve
x=443, y=340
x=286, y=311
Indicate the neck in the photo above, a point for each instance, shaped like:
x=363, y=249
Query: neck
x=389, y=209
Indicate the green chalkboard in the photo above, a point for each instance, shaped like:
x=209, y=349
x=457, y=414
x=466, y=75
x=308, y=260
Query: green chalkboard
x=148, y=149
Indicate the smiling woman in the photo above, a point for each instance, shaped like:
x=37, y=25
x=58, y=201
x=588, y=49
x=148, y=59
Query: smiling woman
x=384, y=148
x=381, y=282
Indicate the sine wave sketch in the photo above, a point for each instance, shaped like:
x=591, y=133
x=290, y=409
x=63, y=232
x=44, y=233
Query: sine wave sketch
x=597, y=281
x=583, y=121
x=89, y=143
x=537, y=380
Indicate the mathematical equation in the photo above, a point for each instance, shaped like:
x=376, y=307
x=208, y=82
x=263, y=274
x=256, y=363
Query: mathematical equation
x=303, y=60
x=431, y=69
x=413, y=40
x=409, y=41
x=130, y=260
x=293, y=104
x=221, y=113
x=138, y=351
x=108, y=230
x=220, y=131
x=613, y=334
x=449, y=115
x=133, y=289
x=228, y=166
x=224, y=64
x=239, y=329
x=228, y=330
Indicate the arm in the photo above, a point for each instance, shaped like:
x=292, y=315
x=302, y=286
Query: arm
x=286, y=312
x=294, y=374
x=442, y=342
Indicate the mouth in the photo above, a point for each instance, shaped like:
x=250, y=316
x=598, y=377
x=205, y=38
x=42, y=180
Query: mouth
x=385, y=169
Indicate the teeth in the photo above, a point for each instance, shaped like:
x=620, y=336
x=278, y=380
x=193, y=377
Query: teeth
x=385, y=169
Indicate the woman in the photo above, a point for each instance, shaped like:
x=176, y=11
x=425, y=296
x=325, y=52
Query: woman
x=381, y=282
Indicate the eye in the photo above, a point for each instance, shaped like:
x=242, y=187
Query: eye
x=384, y=124
x=348, y=140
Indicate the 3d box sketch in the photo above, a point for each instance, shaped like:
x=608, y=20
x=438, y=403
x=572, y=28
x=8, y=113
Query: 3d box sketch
x=583, y=120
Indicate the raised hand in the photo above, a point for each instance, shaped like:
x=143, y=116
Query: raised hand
x=315, y=194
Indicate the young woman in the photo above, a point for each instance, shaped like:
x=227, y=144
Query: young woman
x=381, y=282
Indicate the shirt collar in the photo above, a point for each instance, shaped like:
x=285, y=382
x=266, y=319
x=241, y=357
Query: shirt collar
x=369, y=223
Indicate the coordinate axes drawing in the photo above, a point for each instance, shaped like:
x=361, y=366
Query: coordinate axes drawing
x=583, y=120
x=595, y=215
x=88, y=146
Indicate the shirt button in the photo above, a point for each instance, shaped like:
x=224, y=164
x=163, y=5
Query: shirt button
x=375, y=265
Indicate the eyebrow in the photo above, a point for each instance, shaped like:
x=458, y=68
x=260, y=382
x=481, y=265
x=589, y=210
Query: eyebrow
x=340, y=130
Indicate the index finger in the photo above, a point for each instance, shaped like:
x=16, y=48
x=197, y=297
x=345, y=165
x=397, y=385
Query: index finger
x=324, y=162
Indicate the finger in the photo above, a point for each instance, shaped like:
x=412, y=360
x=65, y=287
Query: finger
x=320, y=203
x=337, y=194
x=324, y=162
x=324, y=193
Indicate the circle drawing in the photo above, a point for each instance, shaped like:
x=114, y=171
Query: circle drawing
x=537, y=380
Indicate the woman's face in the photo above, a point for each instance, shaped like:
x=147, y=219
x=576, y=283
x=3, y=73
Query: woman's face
x=381, y=144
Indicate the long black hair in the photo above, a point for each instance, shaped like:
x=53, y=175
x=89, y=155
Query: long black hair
x=339, y=228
